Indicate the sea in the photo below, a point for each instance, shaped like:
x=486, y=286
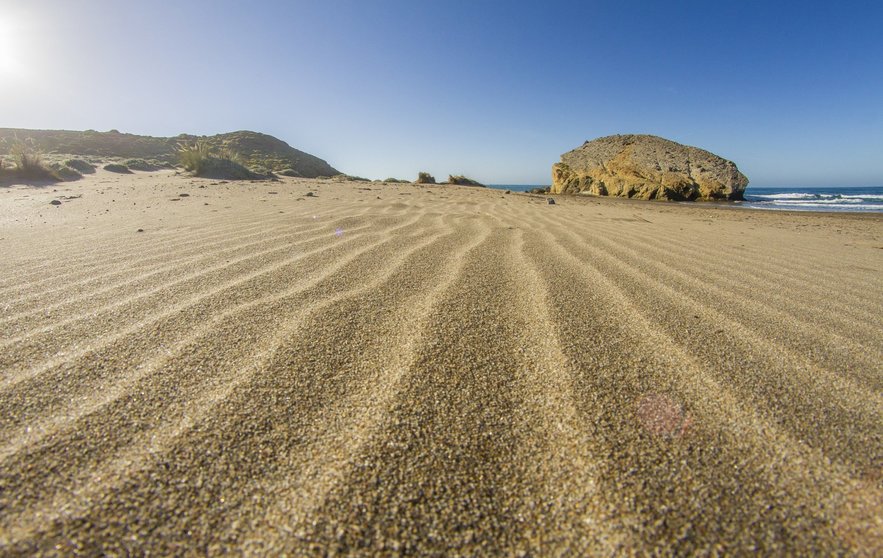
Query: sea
x=815, y=199
x=864, y=199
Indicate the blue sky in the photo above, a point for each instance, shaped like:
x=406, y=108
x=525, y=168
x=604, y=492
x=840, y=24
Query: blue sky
x=790, y=91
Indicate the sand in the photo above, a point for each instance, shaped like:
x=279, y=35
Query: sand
x=399, y=369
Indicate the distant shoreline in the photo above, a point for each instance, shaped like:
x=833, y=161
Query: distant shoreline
x=841, y=199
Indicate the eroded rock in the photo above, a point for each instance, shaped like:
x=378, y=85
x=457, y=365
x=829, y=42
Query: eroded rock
x=646, y=167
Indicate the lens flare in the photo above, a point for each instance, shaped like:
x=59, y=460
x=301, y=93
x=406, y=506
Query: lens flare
x=661, y=415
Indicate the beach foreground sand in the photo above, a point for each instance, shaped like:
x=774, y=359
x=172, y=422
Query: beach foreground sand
x=394, y=369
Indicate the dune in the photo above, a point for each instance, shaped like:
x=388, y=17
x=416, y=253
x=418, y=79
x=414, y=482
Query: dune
x=311, y=367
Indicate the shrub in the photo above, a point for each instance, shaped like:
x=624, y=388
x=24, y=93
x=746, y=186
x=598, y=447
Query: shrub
x=395, y=181
x=194, y=156
x=118, y=168
x=225, y=169
x=290, y=172
x=80, y=165
x=231, y=155
x=199, y=159
x=425, y=178
x=66, y=173
x=350, y=178
x=140, y=165
x=29, y=162
x=26, y=158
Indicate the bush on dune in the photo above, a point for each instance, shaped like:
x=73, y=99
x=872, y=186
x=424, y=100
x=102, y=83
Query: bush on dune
x=194, y=156
x=65, y=173
x=225, y=169
x=27, y=160
x=28, y=163
x=260, y=171
x=199, y=159
x=350, y=178
x=83, y=167
x=141, y=165
x=117, y=168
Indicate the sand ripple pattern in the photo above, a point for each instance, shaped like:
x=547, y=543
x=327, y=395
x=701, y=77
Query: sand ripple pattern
x=446, y=371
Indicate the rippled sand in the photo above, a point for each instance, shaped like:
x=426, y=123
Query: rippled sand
x=393, y=369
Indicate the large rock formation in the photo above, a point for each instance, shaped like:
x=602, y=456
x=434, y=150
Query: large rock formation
x=648, y=168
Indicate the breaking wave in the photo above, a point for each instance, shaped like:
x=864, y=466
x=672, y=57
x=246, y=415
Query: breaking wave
x=832, y=199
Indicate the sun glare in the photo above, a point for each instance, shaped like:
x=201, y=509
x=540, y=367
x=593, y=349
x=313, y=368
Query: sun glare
x=10, y=52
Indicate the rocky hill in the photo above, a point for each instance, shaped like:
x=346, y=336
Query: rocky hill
x=646, y=167
x=256, y=150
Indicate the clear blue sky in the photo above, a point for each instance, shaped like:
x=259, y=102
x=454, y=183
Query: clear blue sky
x=790, y=91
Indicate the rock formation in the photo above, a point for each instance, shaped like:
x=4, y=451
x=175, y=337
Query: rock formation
x=460, y=180
x=424, y=178
x=648, y=168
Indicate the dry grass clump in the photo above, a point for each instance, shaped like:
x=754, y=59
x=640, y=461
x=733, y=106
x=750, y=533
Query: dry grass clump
x=200, y=159
x=194, y=156
x=27, y=159
x=27, y=162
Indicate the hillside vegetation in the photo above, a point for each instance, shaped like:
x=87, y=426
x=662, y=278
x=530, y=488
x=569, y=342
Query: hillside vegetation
x=256, y=150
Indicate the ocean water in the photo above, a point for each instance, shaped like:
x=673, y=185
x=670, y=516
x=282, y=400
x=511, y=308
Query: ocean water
x=790, y=199
x=815, y=199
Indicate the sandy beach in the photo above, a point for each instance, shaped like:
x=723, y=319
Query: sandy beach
x=316, y=368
